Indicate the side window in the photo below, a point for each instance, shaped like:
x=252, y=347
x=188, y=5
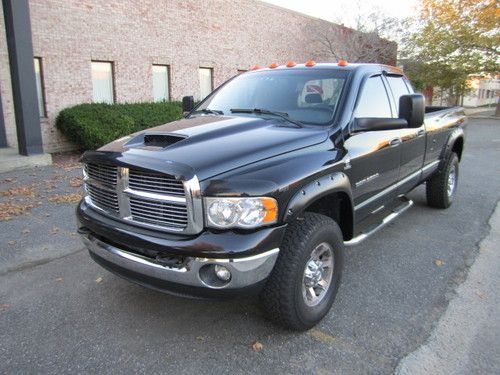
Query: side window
x=409, y=85
x=373, y=101
x=398, y=88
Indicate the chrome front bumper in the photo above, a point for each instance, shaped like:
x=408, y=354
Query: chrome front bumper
x=245, y=272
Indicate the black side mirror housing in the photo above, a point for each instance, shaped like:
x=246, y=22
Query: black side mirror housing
x=187, y=104
x=366, y=124
x=412, y=109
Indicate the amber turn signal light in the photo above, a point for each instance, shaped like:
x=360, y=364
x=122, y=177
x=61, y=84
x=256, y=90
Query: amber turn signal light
x=310, y=63
x=271, y=208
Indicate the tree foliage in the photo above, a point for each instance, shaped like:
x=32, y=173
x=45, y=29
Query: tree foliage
x=454, y=38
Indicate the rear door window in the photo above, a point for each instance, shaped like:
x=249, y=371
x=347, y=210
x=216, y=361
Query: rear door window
x=398, y=88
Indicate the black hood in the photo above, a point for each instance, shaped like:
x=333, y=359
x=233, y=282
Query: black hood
x=208, y=145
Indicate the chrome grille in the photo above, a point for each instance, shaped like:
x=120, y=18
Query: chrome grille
x=145, y=198
x=158, y=212
x=102, y=173
x=102, y=198
x=155, y=183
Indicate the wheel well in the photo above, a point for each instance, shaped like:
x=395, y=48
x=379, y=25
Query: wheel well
x=338, y=207
x=458, y=147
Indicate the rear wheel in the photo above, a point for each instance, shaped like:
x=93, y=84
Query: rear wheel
x=442, y=187
x=306, y=277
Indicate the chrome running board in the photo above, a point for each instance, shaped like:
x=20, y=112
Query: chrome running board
x=394, y=214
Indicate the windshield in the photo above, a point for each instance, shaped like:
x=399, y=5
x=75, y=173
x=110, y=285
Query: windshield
x=309, y=97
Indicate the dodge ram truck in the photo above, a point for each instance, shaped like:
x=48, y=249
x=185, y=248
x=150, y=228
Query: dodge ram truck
x=262, y=185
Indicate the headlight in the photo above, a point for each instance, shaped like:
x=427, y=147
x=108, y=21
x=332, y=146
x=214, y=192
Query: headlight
x=240, y=212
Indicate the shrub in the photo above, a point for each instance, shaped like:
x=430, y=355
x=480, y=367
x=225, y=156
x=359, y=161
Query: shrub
x=91, y=126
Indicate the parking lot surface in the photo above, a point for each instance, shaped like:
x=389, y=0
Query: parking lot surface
x=60, y=312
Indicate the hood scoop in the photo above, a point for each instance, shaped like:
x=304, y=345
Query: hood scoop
x=161, y=140
x=155, y=140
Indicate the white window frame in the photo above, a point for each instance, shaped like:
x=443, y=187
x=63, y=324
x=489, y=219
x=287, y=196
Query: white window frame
x=165, y=96
x=40, y=86
x=103, y=94
x=203, y=91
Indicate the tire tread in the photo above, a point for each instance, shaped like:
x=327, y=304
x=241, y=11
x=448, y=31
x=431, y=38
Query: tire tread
x=277, y=296
x=436, y=186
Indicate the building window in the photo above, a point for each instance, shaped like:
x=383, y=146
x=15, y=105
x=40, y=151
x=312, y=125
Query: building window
x=40, y=87
x=102, y=82
x=206, y=81
x=160, y=83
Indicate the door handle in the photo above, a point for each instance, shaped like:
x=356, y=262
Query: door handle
x=420, y=132
x=395, y=142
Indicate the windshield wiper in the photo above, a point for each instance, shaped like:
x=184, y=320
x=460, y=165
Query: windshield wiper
x=262, y=111
x=209, y=111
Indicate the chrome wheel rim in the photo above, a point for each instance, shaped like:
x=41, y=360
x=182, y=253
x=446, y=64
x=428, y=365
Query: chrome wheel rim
x=452, y=181
x=318, y=274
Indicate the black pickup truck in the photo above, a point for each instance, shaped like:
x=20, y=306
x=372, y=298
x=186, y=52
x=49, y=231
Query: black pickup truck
x=262, y=185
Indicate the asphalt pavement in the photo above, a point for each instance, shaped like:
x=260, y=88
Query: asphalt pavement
x=62, y=313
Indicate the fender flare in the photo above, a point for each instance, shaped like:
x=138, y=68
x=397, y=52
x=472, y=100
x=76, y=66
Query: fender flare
x=336, y=182
x=452, y=138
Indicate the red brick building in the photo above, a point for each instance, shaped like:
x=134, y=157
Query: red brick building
x=131, y=50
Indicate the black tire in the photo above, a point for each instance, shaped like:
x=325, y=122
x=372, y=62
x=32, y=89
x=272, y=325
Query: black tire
x=282, y=296
x=438, y=194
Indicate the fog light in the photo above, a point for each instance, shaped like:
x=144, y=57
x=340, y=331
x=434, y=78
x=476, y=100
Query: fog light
x=222, y=273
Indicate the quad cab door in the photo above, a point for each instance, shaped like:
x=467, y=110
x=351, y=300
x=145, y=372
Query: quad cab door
x=412, y=139
x=374, y=155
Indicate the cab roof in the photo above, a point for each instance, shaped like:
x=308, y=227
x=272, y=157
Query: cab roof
x=358, y=67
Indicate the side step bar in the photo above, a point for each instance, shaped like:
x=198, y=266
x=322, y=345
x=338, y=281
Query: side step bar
x=394, y=214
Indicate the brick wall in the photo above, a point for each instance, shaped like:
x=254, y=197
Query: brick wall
x=6, y=87
x=222, y=34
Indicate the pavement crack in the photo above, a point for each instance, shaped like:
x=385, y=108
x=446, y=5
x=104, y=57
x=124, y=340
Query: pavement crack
x=33, y=264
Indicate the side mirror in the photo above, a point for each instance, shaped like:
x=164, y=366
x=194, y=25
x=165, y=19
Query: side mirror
x=187, y=104
x=365, y=124
x=412, y=109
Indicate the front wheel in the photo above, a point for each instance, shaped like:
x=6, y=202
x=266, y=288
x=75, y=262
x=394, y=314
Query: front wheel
x=441, y=188
x=306, y=277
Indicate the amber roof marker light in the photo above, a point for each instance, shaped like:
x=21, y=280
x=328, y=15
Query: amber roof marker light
x=310, y=63
x=342, y=63
x=291, y=64
x=256, y=67
x=273, y=65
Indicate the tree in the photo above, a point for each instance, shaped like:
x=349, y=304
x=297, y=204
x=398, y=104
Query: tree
x=362, y=43
x=453, y=39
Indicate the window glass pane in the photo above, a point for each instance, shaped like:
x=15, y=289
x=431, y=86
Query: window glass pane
x=320, y=93
x=205, y=82
x=160, y=83
x=398, y=88
x=39, y=87
x=411, y=89
x=373, y=101
x=309, y=96
x=102, y=82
